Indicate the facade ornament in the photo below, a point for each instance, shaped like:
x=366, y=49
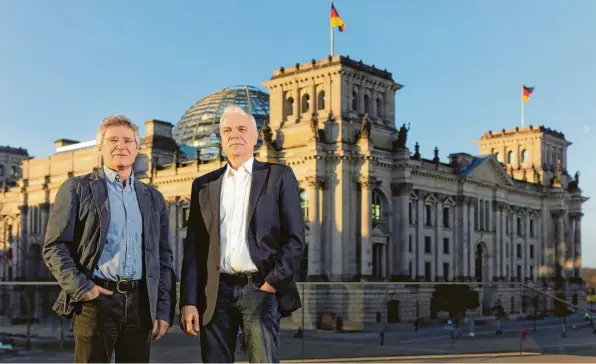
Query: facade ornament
x=402, y=137
x=556, y=181
x=267, y=134
x=314, y=126
x=416, y=152
x=365, y=129
x=315, y=181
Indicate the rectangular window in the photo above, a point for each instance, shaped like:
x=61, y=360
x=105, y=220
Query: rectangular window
x=427, y=244
x=446, y=217
x=445, y=245
x=428, y=211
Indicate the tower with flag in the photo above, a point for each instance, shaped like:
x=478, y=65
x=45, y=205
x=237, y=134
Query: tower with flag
x=526, y=93
x=335, y=21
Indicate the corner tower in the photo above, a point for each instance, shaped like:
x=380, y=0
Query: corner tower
x=333, y=121
x=533, y=153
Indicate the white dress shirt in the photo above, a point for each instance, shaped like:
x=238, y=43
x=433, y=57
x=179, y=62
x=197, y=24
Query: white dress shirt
x=235, y=192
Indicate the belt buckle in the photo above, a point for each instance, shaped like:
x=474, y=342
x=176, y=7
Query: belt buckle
x=118, y=285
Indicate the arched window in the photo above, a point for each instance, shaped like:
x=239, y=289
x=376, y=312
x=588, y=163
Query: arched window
x=15, y=171
x=321, y=100
x=1, y=170
x=304, y=202
x=305, y=103
x=498, y=156
x=376, y=206
x=379, y=107
x=290, y=106
x=524, y=156
x=510, y=157
x=354, y=101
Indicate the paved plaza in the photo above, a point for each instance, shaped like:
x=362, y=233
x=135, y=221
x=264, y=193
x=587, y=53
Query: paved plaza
x=430, y=345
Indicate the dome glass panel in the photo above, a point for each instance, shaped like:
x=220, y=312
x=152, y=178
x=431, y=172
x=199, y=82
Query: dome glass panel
x=199, y=127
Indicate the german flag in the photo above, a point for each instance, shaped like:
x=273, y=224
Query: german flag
x=336, y=20
x=526, y=92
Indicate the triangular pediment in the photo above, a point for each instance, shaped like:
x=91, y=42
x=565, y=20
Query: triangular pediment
x=380, y=231
x=487, y=169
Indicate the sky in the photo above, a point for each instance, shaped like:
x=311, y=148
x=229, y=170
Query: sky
x=65, y=65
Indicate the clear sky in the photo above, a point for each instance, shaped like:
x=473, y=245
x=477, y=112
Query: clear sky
x=64, y=65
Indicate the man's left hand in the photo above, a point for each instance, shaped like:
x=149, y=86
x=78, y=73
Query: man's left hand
x=160, y=327
x=267, y=288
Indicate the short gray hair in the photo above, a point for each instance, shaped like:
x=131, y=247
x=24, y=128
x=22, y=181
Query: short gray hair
x=233, y=109
x=116, y=120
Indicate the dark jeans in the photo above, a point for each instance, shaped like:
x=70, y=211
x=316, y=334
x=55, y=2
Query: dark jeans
x=247, y=307
x=119, y=323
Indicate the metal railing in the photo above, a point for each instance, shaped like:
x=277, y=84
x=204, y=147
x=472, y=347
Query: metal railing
x=364, y=319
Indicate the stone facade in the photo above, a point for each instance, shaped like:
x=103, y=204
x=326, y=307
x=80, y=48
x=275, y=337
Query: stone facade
x=376, y=210
x=10, y=165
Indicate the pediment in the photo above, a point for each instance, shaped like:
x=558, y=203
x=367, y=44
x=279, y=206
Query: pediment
x=487, y=169
x=380, y=231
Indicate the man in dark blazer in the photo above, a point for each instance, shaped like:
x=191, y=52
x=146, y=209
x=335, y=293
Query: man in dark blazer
x=243, y=247
x=107, y=245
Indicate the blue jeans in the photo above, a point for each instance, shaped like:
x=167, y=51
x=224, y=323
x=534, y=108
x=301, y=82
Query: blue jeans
x=246, y=306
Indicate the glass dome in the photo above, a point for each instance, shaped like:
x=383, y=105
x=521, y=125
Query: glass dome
x=199, y=127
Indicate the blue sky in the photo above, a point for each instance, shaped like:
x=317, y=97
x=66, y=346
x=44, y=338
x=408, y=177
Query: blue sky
x=64, y=65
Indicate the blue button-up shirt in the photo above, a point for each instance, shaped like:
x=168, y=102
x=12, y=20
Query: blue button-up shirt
x=122, y=256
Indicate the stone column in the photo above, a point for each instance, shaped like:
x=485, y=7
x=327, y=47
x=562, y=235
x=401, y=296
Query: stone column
x=526, y=247
x=373, y=102
x=420, y=236
x=560, y=249
x=314, y=246
x=463, y=243
x=401, y=225
x=366, y=185
x=471, y=256
x=297, y=110
x=513, y=262
x=577, y=240
x=313, y=98
x=570, y=243
x=437, y=252
x=498, y=271
x=19, y=254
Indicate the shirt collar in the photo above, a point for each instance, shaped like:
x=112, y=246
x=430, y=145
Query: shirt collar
x=246, y=167
x=114, y=177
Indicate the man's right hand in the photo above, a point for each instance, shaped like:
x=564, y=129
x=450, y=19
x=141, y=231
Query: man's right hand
x=189, y=320
x=95, y=292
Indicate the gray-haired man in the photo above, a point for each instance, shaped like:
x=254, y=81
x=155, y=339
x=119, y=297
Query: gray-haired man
x=107, y=245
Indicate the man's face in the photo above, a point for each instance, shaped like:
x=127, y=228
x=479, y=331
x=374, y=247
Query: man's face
x=119, y=147
x=238, y=135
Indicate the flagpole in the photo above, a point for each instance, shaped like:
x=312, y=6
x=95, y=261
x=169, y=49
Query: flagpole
x=331, y=33
x=522, y=103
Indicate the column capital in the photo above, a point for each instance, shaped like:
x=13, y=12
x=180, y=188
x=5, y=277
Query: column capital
x=368, y=182
x=24, y=209
x=558, y=213
x=576, y=215
x=45, y=207
x=398, y=189
x=315, y=181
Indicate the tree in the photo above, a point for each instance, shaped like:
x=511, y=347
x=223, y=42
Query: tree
x=455, y=299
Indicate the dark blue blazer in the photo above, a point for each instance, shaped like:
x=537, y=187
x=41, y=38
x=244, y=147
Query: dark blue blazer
x=275, y=236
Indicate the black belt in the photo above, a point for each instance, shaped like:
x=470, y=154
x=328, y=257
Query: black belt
x=241, y=278
x=120, y=286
